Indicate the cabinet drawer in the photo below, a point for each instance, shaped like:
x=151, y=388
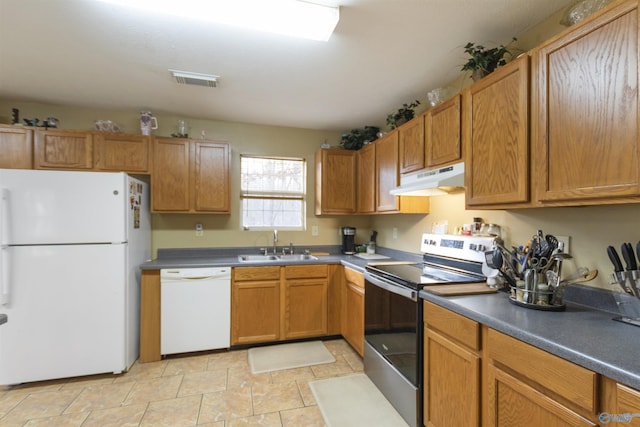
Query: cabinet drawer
x=354, y=277
x=568, y=380
x=458, y=327
x=256, y=273
x=305, y=271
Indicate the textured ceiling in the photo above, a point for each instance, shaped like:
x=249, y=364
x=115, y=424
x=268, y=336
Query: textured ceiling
x=383, y=53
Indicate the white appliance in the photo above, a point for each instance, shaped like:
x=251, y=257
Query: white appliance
x=70, y=245
x=195, y=309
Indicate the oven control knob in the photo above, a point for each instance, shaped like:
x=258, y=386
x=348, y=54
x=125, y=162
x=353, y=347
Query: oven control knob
x=472, y=246
x=481, y=248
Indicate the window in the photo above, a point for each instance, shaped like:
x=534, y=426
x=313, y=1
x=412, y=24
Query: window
x=272, y=192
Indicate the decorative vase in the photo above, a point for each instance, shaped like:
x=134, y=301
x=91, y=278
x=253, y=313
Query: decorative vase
x=478, y=74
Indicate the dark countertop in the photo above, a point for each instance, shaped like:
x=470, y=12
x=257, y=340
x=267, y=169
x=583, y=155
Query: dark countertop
x=3, y=318
x=581, y=334
x=584, y=334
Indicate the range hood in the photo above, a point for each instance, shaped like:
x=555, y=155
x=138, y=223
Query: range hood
x=433, y=182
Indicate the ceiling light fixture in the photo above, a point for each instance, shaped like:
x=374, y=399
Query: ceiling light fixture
x=295, y=18
x=196, y=79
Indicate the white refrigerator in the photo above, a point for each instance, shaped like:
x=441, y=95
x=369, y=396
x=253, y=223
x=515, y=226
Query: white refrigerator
x=70, y=248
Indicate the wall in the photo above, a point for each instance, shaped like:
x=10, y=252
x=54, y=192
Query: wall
x=178, y=230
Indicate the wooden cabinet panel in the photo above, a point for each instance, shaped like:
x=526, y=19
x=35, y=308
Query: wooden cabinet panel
x=170, y=178
x=587, y=143
x=122, y=152
x=496, y=133
x=387, y=176
x=452, y=383
x=443, y=142
x=150, y=316
x=305, y=271
x=255, y=311
x=511, y=402
x=335, y=182
x=366, y=182
x=411, y=145
x=256, y=273
x=63, y=149
x=620, y=404
x=16, y=147
x=353, y=310
x=460, y=328
x=305, y=308
x=211, y=177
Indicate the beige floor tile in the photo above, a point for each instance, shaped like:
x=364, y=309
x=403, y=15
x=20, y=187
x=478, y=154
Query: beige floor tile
x=338, y=347
x=182, y=411
x=289, y=375
x=185, y=365
x=355, y=361
x=143, y=372
x=100, y=397
x=225, y=405
x=41, y=405
x=340, y=367
x=67, y=420
x=229, y=359
x=81, y=382
x=275, y=397
x=203, y=382
x=306, y=393
x=242, y=377
x=268, y=420
x=124, y=416
x=157, y=389
x=307, y=417
x=216, y=424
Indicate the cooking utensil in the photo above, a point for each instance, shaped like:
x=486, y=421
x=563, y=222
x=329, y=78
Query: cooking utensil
x=629, y=256
x=493, y=259
x=615, y=259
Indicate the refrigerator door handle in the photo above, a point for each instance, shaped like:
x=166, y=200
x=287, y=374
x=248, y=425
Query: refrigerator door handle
x=4, y=248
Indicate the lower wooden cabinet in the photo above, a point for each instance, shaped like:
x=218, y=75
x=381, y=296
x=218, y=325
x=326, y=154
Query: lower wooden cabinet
x=305, y=301
x=620, y=404
x=255, y=305
x=451, y=369
x=353, y=309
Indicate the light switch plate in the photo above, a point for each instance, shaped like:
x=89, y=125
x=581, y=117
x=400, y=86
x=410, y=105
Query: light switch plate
x=314, y=230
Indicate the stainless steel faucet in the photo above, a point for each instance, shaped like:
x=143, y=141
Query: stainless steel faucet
x=291, y=248
x=275, y=241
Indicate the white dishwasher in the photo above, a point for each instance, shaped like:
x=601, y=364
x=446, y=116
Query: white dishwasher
x=195, y=309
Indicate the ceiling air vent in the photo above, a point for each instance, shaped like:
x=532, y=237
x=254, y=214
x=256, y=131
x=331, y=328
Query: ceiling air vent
x=195, y=79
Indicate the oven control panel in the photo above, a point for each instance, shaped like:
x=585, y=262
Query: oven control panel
x=469, y=248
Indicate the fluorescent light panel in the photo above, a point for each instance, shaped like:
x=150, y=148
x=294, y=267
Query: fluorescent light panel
x=287, y=17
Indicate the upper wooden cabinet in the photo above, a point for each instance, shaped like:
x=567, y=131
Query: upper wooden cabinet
x=387, y=176
x=16, y=147
x=335, y=181
x=587, y=125
x=190, y=176
x=411, y=140
x=63, y=149
x=121, y=152
x=496, y=137
x=442, y=139
x=366, y=181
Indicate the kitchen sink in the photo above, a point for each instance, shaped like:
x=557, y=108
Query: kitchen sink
x=273, y=258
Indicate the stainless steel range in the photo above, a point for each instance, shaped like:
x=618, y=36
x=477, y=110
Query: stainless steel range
x=394, y=314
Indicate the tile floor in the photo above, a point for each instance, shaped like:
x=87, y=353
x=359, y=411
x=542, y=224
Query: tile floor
x=214, y=389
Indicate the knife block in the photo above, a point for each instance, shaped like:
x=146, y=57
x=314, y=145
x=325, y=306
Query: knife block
x=624, y=286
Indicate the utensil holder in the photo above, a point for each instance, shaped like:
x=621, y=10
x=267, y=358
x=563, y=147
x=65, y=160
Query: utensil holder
x=625, y=286
x=538, y=297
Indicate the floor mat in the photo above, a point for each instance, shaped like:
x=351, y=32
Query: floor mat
x=354, y=401
x=288, y=356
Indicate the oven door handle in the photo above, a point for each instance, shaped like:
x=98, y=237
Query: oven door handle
x=391, y=287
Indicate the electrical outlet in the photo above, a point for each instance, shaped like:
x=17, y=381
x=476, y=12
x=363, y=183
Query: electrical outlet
x=314, y=230
x=199, y=230
x=395, y=232
x=565, y=240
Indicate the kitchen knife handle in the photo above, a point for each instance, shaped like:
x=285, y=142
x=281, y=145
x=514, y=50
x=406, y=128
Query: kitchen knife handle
x=629, y=256
x=615, y=259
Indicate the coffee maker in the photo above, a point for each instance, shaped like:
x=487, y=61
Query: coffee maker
x=348, y=240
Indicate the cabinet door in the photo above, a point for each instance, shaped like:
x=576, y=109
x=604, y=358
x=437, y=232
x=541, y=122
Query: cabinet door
x=443, y=143
x=170, y=178
x=587, y=141
x=496, y=133
x=411, y=140
x=121, y=152
x=62, y=149
x=335, y=181
x=387, y=176
x=366, y=187
x=255, y=311
x=211, y=177
x=353, y=315
x=451, y=383
x=305, y=312
x=511, y=402
x=16, y=147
